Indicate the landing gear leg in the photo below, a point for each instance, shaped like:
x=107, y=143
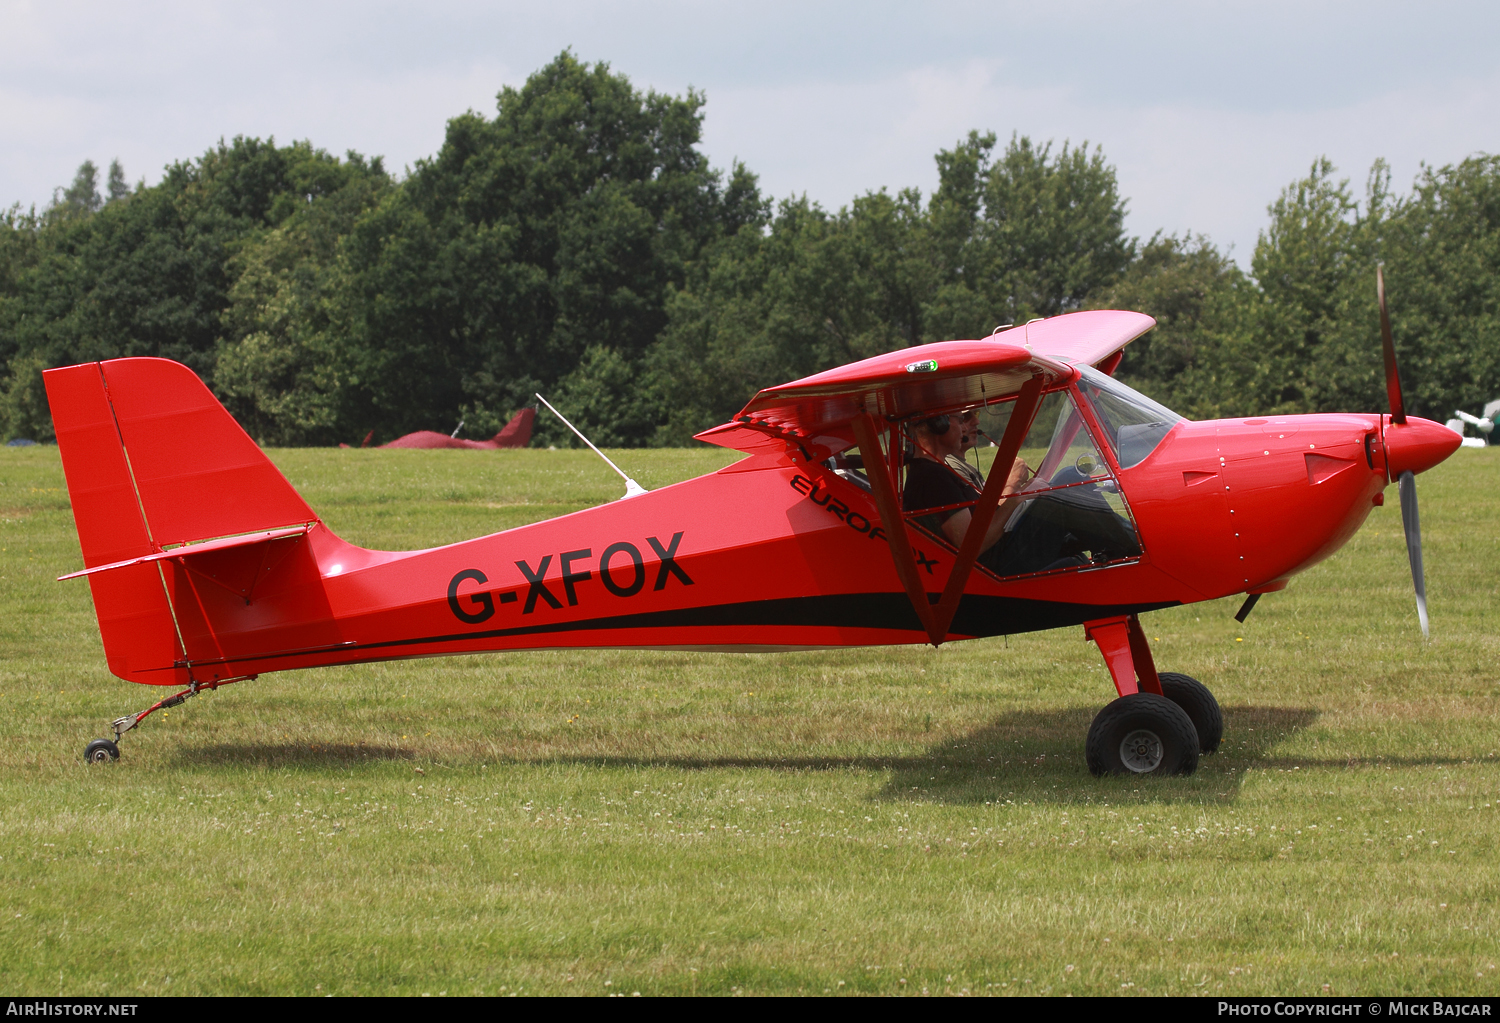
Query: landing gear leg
x=1145, y=731
x=1122, y=641
x=104, y=751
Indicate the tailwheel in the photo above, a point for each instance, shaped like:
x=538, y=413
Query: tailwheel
x=1142, y=734
x=1194, y=698
x=101, y=751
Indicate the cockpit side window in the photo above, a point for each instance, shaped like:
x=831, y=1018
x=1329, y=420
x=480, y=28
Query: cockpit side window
x=849, y=464
x=1133, y=423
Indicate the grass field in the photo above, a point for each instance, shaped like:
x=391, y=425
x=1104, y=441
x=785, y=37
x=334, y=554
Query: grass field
x=888, y=820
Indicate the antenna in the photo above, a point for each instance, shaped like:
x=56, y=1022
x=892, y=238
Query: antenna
x=632, y=488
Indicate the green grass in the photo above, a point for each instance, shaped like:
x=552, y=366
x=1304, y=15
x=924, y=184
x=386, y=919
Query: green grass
x=885, y=820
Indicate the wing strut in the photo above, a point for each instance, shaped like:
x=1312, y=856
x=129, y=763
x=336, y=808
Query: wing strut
x=879, y=472
x=983, y=512
x=936, y=620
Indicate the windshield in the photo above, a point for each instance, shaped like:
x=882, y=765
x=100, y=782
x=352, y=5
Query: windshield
x=1133, y=422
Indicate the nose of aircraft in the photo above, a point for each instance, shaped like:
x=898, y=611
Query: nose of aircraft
x=1417, y=445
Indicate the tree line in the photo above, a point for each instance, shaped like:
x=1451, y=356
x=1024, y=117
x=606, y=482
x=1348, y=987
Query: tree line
x=580, y=244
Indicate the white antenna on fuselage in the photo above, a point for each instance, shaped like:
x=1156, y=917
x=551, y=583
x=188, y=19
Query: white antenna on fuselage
x=632, y=488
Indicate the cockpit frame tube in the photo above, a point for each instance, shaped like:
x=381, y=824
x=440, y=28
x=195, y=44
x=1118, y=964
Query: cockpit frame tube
x=1106, y=450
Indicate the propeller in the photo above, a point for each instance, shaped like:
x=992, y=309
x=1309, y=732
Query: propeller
x=1413, y=529
x=1410, y=522
x=1388, y=345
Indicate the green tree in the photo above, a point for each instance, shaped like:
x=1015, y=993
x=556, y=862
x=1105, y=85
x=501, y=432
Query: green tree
x=1022, y=236
x=82, y=196
x=812, y=291
x=1026, y=235
x=276, y=366
x=1198, y=357
x=118, y=188
x=1308, y=261
x=1442, y=256
x=529, y=240
x=151, y=276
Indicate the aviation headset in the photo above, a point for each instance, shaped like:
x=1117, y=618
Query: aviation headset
x=939, y=424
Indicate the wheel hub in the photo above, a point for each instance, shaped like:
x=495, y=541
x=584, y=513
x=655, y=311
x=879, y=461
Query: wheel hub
x=1141, y=751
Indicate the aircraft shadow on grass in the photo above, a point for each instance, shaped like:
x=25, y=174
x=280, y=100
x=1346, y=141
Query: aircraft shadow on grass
x=1030, y=755
x=1021, y=756
x=291, y=754
x=1037, y=756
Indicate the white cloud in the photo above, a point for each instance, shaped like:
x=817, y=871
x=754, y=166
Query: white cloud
x=1207, y=111
x=1182, y=166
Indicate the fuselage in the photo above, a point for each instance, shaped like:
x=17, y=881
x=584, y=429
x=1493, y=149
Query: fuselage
x=777, y=553
x=206, y=565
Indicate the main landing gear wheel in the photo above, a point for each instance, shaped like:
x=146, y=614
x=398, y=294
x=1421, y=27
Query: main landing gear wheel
x=1142, y=734
x=101, y=751
x=1194, y=697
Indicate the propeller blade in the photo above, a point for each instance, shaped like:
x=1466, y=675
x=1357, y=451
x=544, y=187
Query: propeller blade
x=1413, y=530
x=1392, y=374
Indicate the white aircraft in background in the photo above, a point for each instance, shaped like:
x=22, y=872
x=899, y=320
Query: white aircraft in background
x=1485, y=424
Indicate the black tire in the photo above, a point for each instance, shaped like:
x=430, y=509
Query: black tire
x=1159, y=735
x=101, y=751
x=1194, y=697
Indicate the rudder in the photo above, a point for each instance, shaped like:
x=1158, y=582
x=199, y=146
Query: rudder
x=198, y=473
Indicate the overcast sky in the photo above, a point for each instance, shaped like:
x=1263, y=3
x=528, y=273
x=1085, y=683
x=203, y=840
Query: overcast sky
x=1206, y=110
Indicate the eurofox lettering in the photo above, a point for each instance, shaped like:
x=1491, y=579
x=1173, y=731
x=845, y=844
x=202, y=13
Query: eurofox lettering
x=620, y=567
x=851, y=518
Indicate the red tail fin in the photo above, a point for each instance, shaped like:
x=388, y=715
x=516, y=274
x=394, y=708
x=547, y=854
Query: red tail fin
x=517, y=432
x=153, y=460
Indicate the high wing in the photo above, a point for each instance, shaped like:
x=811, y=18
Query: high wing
x=857, y=405
x=816, y=413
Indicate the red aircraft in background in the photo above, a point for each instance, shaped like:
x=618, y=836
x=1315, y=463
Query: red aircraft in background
x=515, y=434
x=207, y=567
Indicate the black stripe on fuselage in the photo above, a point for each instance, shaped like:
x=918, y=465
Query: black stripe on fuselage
x=977, y=616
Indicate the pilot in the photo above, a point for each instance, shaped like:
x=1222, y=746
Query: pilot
x=1040, y=533
x=938, y=475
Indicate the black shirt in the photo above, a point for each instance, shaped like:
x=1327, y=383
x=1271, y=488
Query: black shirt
x=931, y=485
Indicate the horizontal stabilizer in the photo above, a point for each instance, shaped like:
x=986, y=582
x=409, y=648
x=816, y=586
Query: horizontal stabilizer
x=193, y=549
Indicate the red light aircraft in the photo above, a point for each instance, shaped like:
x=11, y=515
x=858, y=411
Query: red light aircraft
x=207, y=567
x=515, y=434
